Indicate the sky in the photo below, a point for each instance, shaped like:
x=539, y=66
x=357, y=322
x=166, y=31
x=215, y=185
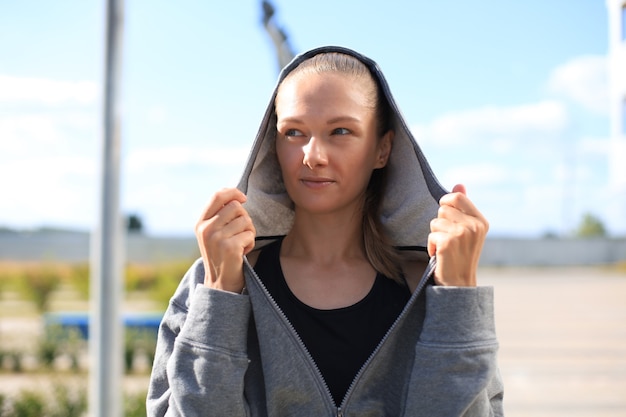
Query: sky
x=509, y=98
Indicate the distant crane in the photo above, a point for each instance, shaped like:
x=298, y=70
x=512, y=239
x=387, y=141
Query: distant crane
x=284, y=52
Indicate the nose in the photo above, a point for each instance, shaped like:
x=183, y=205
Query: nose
x=314, y=153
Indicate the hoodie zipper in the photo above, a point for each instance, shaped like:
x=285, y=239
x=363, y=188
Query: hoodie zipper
x=432, y=263
x=339, y=413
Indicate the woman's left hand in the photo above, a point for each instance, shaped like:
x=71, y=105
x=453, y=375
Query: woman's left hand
x=456, y=238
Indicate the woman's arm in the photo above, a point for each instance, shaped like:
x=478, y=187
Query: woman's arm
x=455, y=371
x=201, y=356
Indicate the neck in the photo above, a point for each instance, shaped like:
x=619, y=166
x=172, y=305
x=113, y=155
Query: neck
x=325, y=239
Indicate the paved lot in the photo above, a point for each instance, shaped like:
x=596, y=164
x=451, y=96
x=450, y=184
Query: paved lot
x=562, y=341
x=562, y=335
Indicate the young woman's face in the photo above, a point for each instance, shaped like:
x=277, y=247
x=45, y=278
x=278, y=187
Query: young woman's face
x=327, y=142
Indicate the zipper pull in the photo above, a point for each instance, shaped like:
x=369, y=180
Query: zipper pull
x=339, y=412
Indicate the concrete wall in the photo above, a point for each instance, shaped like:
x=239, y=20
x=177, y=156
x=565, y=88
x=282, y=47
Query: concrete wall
x=553, y=252
x=74, y=247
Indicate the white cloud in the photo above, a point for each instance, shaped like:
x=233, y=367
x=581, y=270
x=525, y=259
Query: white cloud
x=157, y=113
x=497, y=149
x=594, y=146
x=584, y=80
x=48, y=158
x=25, y=130
x=172, y=156
x=498, y=125
x=30, y=131
x=485, y=175
x=48, y=135
x=46, y=91
x=511, y=158
x=48, y=190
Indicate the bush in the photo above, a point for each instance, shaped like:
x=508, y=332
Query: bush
x=135, y=405
x=590, y=226
x=28, y=404
x=47, y=351
x=68, y=405
x=14, y=359
x=36, y=404
x=158, y=281
x=9, y=274
x=138, y=342
x=57, y=341
x=38, y=283
x=167, y=279
x=63, y=403
x=80, y=279
x=4, y=279
x=139, y=277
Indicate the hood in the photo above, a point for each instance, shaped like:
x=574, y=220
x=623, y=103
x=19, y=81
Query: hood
x=412, y=192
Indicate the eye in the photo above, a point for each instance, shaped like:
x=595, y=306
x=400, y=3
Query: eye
x=292, y=133
x=341, y=131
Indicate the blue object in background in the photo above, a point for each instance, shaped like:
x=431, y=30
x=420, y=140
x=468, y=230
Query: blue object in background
x=80, y=321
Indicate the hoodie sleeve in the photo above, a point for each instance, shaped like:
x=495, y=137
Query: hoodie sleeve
x=456, y=356
x=201, y=356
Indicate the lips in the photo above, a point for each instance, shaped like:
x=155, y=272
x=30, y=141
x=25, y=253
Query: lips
x=316, y=182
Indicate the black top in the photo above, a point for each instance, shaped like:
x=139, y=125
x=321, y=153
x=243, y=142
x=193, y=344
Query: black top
x=339, y=340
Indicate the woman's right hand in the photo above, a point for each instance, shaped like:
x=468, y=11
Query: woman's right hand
x=225, y=234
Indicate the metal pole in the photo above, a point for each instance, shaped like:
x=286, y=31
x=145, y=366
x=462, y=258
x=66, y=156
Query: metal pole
x=106, y=329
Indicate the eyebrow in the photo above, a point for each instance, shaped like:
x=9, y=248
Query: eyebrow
x=343, y=119
x=338, y=119
x=289, y=120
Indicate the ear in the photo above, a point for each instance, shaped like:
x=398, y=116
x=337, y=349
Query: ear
x=384, y=149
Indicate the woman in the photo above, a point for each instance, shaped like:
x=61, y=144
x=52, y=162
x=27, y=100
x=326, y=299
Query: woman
x=314, y=295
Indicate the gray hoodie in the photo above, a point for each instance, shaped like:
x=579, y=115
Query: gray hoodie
x=225, y=354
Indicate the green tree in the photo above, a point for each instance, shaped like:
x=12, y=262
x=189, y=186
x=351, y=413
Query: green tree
x=590, y=226
x=134, y=224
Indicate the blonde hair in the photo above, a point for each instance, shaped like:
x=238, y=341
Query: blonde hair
x=379, y=251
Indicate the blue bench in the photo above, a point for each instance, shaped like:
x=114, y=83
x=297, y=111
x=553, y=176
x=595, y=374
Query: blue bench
x=80, y=321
